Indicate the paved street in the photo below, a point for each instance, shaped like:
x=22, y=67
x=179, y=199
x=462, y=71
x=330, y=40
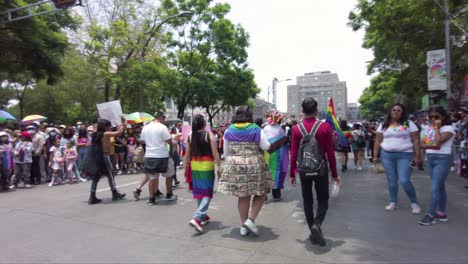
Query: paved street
x=55, y=225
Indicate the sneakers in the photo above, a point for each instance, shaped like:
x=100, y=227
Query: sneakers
x=391, y=207
x=119, y=172
x=441, y=218
x=359, y=168
x=136, y=194
x=206, y=221
x=244, y=231
x=250, y=225
x=151, y=201
x=197, y=225
x=176, y=184
x=27, y=186
x=170, y=197
x=415, y=209
x=316, y=236
x=427, y=220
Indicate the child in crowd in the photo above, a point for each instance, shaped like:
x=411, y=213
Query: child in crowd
x=23, y=153
x=71, y=156
x=56, y=163
x=131, y=148
x=6, y=161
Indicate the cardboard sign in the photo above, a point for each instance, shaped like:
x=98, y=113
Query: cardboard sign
x=186, y=131
x=111, y=111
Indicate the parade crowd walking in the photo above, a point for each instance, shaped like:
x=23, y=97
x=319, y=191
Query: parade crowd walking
x=257, y=158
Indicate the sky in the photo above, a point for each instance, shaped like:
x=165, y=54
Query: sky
x=294, y=37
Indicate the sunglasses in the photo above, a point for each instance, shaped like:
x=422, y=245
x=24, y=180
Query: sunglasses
x=397, y=110
x=436, y=117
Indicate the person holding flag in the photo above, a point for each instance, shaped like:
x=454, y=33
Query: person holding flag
x=342, y=134
x=277, y=159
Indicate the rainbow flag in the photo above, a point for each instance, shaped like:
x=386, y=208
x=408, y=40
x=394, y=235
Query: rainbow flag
x=333, y=122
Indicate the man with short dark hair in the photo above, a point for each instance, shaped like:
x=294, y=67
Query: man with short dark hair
x=155, y=136
x=325, y=141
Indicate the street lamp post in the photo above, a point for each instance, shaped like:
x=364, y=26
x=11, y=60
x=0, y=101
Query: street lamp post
x=273, y=89
x=143, y=53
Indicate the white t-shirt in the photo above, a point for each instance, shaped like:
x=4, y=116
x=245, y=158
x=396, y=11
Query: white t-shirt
x=446, y=147
x=398, y=138
x=155, y=135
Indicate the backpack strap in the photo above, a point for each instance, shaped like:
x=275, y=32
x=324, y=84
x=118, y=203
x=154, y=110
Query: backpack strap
x=313, y=131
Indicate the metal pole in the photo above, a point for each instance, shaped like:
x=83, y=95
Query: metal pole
x=447, y=52
x=273, y=89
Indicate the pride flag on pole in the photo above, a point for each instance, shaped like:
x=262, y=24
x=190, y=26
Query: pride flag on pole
x=333, y=122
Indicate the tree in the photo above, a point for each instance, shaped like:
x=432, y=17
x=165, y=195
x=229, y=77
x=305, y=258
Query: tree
x=233, y=87
x=123, y=34
x=400, y=32
x=203, y=54
x=34, y=46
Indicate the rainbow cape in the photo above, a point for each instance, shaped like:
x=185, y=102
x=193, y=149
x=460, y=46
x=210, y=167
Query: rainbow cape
x=333, y=122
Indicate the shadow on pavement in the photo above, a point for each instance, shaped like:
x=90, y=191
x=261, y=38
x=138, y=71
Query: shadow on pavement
x=266, y=234
x=318, y=250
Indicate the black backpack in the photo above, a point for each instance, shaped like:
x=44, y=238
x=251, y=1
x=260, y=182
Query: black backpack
x=361, y=141
x=310, y=161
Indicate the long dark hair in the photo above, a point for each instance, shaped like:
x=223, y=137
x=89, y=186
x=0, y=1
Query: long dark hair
x=82, y=133
x=243, y=114
x=403, y=118
x=198, y=124
x=65, y=133
x=441, y=111
x=344, y=125
x=101, y=128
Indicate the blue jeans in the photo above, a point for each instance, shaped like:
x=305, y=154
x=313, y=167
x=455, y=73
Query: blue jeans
x=81, y=155
x=202, y=209
x=439, y=169
x=396, y=165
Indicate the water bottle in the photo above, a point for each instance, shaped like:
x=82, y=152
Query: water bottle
x=335, y=189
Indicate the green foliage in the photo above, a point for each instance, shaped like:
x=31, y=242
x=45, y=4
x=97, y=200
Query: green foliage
x=35, y=45
x=400, y=32
x=71, y=98
x=208, y=58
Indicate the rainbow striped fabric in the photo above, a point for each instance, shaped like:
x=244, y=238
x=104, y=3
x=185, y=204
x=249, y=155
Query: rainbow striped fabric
x=277, y=161
x=333, y=122
x=243, y=132
x=203, y=176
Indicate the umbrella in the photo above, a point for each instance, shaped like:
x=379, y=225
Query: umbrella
x=171, y=121
x=138, y=117
x=5, y=116
x=33, y=118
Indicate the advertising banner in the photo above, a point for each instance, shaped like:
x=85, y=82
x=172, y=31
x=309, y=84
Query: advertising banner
x=436, y=72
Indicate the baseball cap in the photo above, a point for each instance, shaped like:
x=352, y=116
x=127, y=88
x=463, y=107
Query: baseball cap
x=31, y=128
x=25, y=134
x=90, y=128
x=62, y=126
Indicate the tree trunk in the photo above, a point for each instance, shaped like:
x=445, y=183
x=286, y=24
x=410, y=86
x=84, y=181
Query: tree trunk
x=21, y=104
x=106, y=92
x=181, y=110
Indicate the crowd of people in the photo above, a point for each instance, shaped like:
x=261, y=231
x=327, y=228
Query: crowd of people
x=257, y=158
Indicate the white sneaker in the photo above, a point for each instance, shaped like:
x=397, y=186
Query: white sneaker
x=391, y=207
x=244, y=231
x=415, y=209
x=452, y=168
x=359, y=168
x=250, y=225
x=119, y=172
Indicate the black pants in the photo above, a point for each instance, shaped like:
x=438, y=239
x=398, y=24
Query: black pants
x=321, y=189
x=110, y=176
x=35, y=170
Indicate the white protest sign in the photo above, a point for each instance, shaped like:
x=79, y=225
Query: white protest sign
x=111, y=111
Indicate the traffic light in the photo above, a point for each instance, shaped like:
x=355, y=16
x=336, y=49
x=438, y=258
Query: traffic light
x=62, y=4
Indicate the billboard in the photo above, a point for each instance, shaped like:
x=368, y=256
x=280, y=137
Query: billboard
x=436, y=70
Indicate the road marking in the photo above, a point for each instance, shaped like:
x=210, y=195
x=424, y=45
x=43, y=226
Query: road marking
x=118, y=186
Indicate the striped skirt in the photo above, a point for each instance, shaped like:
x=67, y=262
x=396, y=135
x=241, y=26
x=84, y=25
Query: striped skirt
x=203, y=176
